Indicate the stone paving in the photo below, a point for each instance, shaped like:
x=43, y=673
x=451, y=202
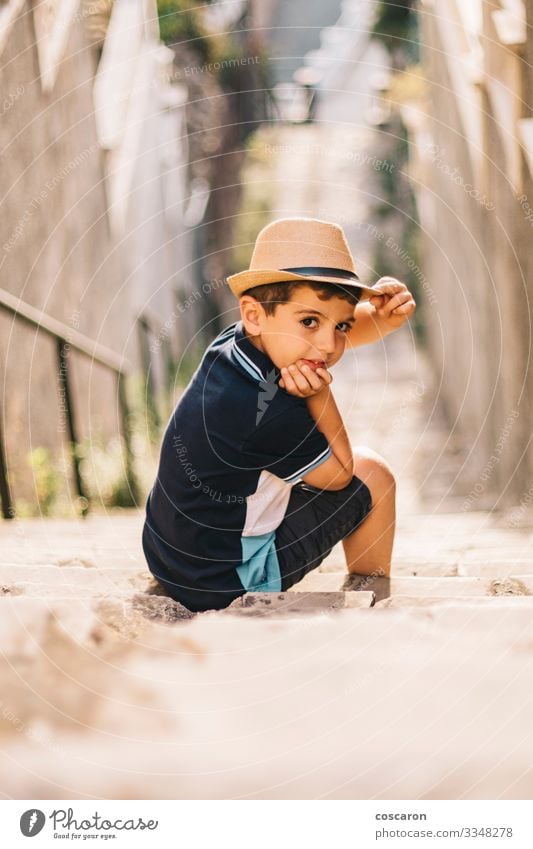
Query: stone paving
x=413, y=687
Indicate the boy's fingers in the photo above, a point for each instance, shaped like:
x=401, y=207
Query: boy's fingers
x=300, y=379
x=290, y=384
x=326, y=376
x=396, y=301
x=311, y=376
x=303, y=381
x=389, y=286
x=405, y=309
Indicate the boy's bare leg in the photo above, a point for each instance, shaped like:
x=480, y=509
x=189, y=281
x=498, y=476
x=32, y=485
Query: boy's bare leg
x=368, y=549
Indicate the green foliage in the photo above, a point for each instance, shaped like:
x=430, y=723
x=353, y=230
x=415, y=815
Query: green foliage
x=258, y=195
x=394, y=189
x=181, y=20
x=103, y=472
x=102, y=466
x=48, y=480
x=188, y=363
x=396, y=26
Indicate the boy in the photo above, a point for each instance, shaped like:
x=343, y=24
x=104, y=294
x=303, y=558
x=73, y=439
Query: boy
x=257, y=479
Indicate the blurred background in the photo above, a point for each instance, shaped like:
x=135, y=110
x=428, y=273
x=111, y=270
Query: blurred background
x=144, y=144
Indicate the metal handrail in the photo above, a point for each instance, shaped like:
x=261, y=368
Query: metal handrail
x=66, y=338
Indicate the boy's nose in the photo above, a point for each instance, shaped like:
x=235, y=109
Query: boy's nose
x=327, y=346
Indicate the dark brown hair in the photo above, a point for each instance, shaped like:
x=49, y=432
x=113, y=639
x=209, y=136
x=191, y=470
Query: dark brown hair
x=270, y=295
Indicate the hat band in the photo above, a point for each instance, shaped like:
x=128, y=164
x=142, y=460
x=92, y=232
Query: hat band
x=320, y=271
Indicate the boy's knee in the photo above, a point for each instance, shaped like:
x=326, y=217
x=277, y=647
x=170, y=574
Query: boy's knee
x=374, y=470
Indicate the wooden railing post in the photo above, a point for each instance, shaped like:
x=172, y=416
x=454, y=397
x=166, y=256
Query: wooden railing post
x=63, y=349
x=5, y=495
x=126, y=436
x=80, y=343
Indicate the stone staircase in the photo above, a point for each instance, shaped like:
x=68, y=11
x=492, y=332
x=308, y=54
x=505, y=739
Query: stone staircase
x=439, y=559
x=417, y=687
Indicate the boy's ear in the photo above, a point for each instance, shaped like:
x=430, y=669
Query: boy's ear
x=252, y=314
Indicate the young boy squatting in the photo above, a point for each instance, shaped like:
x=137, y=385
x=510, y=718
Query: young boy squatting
x=257, y=478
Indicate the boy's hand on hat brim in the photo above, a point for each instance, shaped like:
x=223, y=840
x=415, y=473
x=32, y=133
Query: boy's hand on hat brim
x=302, y=381
x=393, y=301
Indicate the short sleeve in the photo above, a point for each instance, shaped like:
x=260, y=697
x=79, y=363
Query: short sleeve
x=289, y=445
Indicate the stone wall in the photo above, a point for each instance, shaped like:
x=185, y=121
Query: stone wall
x=472, y=170
x=56, y=250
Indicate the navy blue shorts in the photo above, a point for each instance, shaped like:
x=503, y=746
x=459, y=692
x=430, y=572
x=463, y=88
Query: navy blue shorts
x=315, y=521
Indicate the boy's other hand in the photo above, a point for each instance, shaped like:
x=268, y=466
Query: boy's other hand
x=393, y=301
x=301, y=380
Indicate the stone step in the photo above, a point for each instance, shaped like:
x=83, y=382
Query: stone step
x=25, y=621
x=505, y=602
x=107, y=557
x=446, y=568
x=336, y=711
x=294, y=603
x=451, y=587
x=496, y=569
x=70, y=581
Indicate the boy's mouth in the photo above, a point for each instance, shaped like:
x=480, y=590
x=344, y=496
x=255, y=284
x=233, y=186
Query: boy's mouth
x=315, y=363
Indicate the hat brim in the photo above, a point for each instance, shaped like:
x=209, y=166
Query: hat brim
x=239, y=283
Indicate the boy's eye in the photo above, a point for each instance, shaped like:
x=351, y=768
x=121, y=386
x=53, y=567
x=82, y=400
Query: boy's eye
x=343, y=326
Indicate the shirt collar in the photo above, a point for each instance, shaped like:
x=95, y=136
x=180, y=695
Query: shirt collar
x=254, y=361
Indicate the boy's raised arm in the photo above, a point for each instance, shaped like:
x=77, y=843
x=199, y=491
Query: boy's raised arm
x=324, y=411
x=391, y=307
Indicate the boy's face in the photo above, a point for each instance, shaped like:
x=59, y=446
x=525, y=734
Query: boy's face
x=306, y=328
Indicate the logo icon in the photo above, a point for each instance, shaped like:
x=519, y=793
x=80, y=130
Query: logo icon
x=268, y=388
x=32, y=822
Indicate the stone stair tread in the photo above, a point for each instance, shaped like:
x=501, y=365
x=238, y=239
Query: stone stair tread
x=402, y=567
x=306, y=682
x=508, y=602
x=496, y=569
x=452, y=586
x=293, y=603
x=73, y=556
x=70, y=581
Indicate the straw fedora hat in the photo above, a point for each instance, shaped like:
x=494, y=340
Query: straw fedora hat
x=300, y=249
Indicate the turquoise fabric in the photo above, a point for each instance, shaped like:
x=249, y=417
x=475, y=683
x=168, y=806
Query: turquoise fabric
x=259, y=571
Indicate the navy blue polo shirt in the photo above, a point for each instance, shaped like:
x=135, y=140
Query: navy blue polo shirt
x=233, y=448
